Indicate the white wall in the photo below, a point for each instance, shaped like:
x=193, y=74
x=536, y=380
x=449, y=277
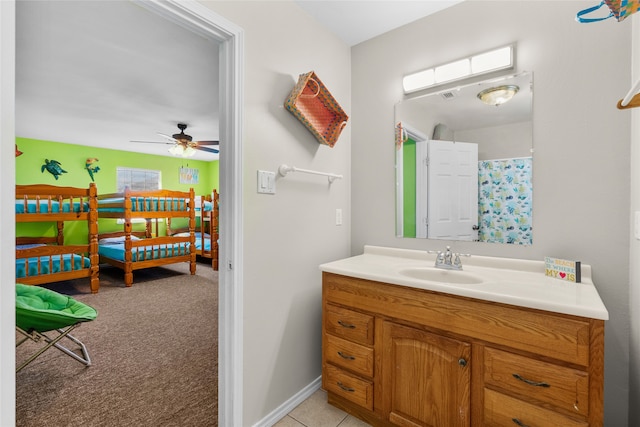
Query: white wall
x=7, y=218
x=582, y=143
x=634, y=291
x=287, y=235
x=500, y=142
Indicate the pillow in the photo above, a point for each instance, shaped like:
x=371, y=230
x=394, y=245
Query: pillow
x=115, y=240
x=29, y=246
x=197, y=234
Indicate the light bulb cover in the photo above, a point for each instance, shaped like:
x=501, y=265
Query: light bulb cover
x=498, y=95
x=176, y=150
x=502, y=58
x=188, y=151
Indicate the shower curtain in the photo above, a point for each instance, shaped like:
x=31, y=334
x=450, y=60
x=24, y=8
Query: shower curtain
x=504, y=201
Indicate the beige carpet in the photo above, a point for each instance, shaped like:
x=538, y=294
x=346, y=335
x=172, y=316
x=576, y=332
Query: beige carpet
x=153, y=349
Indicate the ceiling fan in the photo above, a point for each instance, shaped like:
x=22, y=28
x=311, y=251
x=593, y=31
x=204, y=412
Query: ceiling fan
x=183, y=144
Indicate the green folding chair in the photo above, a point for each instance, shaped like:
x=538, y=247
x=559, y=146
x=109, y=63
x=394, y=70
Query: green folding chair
x=43, y=315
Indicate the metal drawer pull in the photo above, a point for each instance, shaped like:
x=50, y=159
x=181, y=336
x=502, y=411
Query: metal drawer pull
x=346, y=356
x=346, y=325
x=518, y=422
x=533, y=383
x=345, y=388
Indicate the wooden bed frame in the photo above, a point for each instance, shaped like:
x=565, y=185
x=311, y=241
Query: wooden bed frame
x=45, y=196
x=129, y=208
x=208, y=224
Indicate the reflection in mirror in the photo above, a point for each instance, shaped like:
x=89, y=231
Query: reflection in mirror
x=463, y=167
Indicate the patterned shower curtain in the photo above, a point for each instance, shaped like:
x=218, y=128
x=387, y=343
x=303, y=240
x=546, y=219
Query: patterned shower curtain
x=504, y=201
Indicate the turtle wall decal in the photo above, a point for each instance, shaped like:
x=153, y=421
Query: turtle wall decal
x=54, y=167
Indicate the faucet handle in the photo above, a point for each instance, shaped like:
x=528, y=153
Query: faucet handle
x=439, y=257
x=456, y=261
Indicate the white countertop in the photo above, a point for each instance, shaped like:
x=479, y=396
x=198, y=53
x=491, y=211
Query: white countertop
x=509, y=281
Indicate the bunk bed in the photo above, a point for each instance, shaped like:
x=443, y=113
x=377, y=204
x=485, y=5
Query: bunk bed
x=129, y=250
x=207, y=228
x=47, y=259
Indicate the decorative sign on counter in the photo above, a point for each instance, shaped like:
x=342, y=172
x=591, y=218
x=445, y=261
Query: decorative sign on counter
x=562, y=269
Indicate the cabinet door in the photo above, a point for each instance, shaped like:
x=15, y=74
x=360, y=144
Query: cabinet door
x=425, y=378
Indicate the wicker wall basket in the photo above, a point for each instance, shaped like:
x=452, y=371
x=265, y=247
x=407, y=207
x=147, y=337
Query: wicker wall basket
x=316, y=108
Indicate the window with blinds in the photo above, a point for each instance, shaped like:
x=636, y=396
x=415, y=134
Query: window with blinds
x=138, y=179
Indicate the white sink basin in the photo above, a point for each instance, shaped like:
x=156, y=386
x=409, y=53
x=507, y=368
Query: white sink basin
x=440, y=275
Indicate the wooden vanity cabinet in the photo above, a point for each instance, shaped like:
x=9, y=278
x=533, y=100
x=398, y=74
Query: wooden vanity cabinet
x=400, y=356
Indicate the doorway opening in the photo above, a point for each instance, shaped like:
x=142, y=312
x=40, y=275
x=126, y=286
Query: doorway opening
x=204, y=21
x=200, y=19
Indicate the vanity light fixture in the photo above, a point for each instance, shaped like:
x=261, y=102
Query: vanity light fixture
x=486, y=62
x=498, y=95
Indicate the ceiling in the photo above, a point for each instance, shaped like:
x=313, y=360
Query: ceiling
x=105, y=73
x=355, y=21
x=460, y=109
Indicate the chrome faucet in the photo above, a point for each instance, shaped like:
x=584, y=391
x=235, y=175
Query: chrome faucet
x=448, y=260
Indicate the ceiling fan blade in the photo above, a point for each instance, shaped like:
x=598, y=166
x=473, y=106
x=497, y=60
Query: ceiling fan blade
x=208, y=142
x=207, y=149
x=169, y=137
x=155, y=142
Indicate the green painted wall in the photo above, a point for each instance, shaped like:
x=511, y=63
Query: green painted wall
x=409, y=186
x=73, y=159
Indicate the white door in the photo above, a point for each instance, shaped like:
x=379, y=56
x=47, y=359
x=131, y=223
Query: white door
x=422, y=188
x=452, y=190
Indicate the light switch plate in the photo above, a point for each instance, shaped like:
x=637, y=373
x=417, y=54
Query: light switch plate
x=266, y=182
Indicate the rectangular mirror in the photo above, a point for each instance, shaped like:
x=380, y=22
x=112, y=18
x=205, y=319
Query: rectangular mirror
x=464, y=165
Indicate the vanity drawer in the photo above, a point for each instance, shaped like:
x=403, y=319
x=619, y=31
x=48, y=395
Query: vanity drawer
x=347, y=354
x=559, y=386
x=349, y=324
x=349, y=386
x=501, y=410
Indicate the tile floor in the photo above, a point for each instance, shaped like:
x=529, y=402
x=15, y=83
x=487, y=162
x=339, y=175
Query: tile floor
x=316, y=412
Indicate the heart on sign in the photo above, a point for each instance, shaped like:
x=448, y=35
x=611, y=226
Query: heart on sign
x=563, y=275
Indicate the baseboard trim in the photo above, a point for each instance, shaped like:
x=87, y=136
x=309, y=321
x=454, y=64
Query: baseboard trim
x=281, y=411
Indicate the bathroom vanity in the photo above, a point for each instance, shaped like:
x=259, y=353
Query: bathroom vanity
x=497, y=344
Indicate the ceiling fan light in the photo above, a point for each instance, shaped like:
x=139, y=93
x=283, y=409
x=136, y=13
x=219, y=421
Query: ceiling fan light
x=498, y=95
x=188, y=152
x=176, y=150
